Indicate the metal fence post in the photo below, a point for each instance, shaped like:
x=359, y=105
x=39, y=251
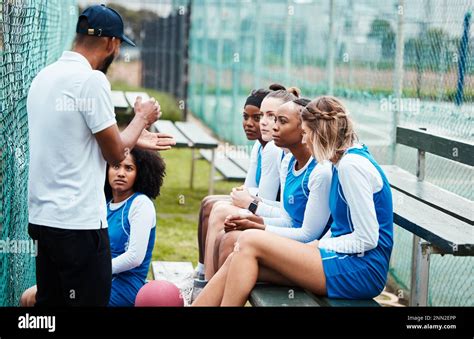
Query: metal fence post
x=331, y=48
x=398, y=78
x=213, y=172
x=420, y=272
x=420, y=252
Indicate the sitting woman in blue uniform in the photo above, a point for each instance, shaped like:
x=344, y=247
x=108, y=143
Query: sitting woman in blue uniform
x=264, y=167
x=353, y=263
x=131, y=219
x=303, y=212
x=251, y=125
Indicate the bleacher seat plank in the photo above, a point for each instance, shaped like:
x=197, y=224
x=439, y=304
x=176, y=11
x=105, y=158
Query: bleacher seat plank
x=272, y=295
x=196, y=134
x=240, y=158
x=132, y=97
x=118, y=100
x=449, y=148
x=179, y=273
x=172, y=270
x=432, y=195
x=167, y=126
x=450, y=234
x=226, y=167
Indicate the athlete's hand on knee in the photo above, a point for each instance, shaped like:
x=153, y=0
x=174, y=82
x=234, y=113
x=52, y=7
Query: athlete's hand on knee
x=256, y=219
x=239, y=223
x=148, y=110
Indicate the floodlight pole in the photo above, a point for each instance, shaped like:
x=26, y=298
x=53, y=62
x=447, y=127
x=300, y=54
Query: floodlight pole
x=331, y=48
x=287, y=45
x=257, y=63
x=398, y=78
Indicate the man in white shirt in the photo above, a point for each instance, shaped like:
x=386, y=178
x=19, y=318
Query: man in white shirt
x=73, y=132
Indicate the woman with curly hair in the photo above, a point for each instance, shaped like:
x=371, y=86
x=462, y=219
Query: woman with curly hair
x=130, y=187
x=131, y=217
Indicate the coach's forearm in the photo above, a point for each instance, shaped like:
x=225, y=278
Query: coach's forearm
x=132, y=132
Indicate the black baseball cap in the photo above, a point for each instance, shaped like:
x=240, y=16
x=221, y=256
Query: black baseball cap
x=103, y=21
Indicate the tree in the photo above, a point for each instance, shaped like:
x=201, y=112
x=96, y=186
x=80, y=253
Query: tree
x=382, y=31
x=429, y=51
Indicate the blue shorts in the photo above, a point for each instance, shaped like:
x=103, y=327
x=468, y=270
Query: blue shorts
x=353, y=276
x=124, y=291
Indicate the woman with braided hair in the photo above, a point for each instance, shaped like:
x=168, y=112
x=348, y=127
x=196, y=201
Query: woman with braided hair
x=353, y=263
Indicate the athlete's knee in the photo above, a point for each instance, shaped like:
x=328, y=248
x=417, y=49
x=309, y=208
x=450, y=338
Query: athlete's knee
x=219, y=210
x=229, y=238
x=228, y=242
x=24, y=299
x=28, y=298
x=247, y=240
x=219, y=204
x=208, y=201
x=206, y=204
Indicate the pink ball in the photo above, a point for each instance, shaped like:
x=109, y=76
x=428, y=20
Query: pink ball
x=159, y=293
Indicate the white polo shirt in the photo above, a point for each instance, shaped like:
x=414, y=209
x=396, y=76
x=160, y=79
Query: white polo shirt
x=68, y=102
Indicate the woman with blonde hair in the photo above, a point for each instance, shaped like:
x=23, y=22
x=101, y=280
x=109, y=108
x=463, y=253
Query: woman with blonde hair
x=353, y=263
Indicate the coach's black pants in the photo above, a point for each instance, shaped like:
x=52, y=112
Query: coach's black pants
x=73, y=267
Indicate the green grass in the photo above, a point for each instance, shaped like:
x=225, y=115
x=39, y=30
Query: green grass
x=177, y=207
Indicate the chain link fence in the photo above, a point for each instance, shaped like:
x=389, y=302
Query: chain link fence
x=33, y=34
x=349, y=49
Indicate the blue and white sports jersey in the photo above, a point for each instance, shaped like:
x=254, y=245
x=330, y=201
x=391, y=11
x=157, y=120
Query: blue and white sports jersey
x=296, y=191
x=313, y=186
x=356, y=257
x=126, y=284
x=264, y=168
x=258, y=175
x=342, y=223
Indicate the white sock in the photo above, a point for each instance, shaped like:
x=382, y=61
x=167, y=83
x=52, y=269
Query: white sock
x=200, y=268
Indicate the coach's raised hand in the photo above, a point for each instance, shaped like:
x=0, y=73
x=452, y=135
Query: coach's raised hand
x=148, y=110
x=115, y=145
x=155, y=141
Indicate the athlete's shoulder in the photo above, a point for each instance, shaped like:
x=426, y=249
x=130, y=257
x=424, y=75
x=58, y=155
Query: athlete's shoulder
x=321, y=172
x=352, y=161
x=256, y=145
x=271, y=149
x=254, y=151
x=355, y=168
x=141, y=201
x=286, y=159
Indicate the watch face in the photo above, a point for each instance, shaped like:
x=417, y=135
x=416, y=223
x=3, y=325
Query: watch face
x=253, y=207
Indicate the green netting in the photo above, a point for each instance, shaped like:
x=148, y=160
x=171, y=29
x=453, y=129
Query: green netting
x=239, y=45
x=33, y=34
